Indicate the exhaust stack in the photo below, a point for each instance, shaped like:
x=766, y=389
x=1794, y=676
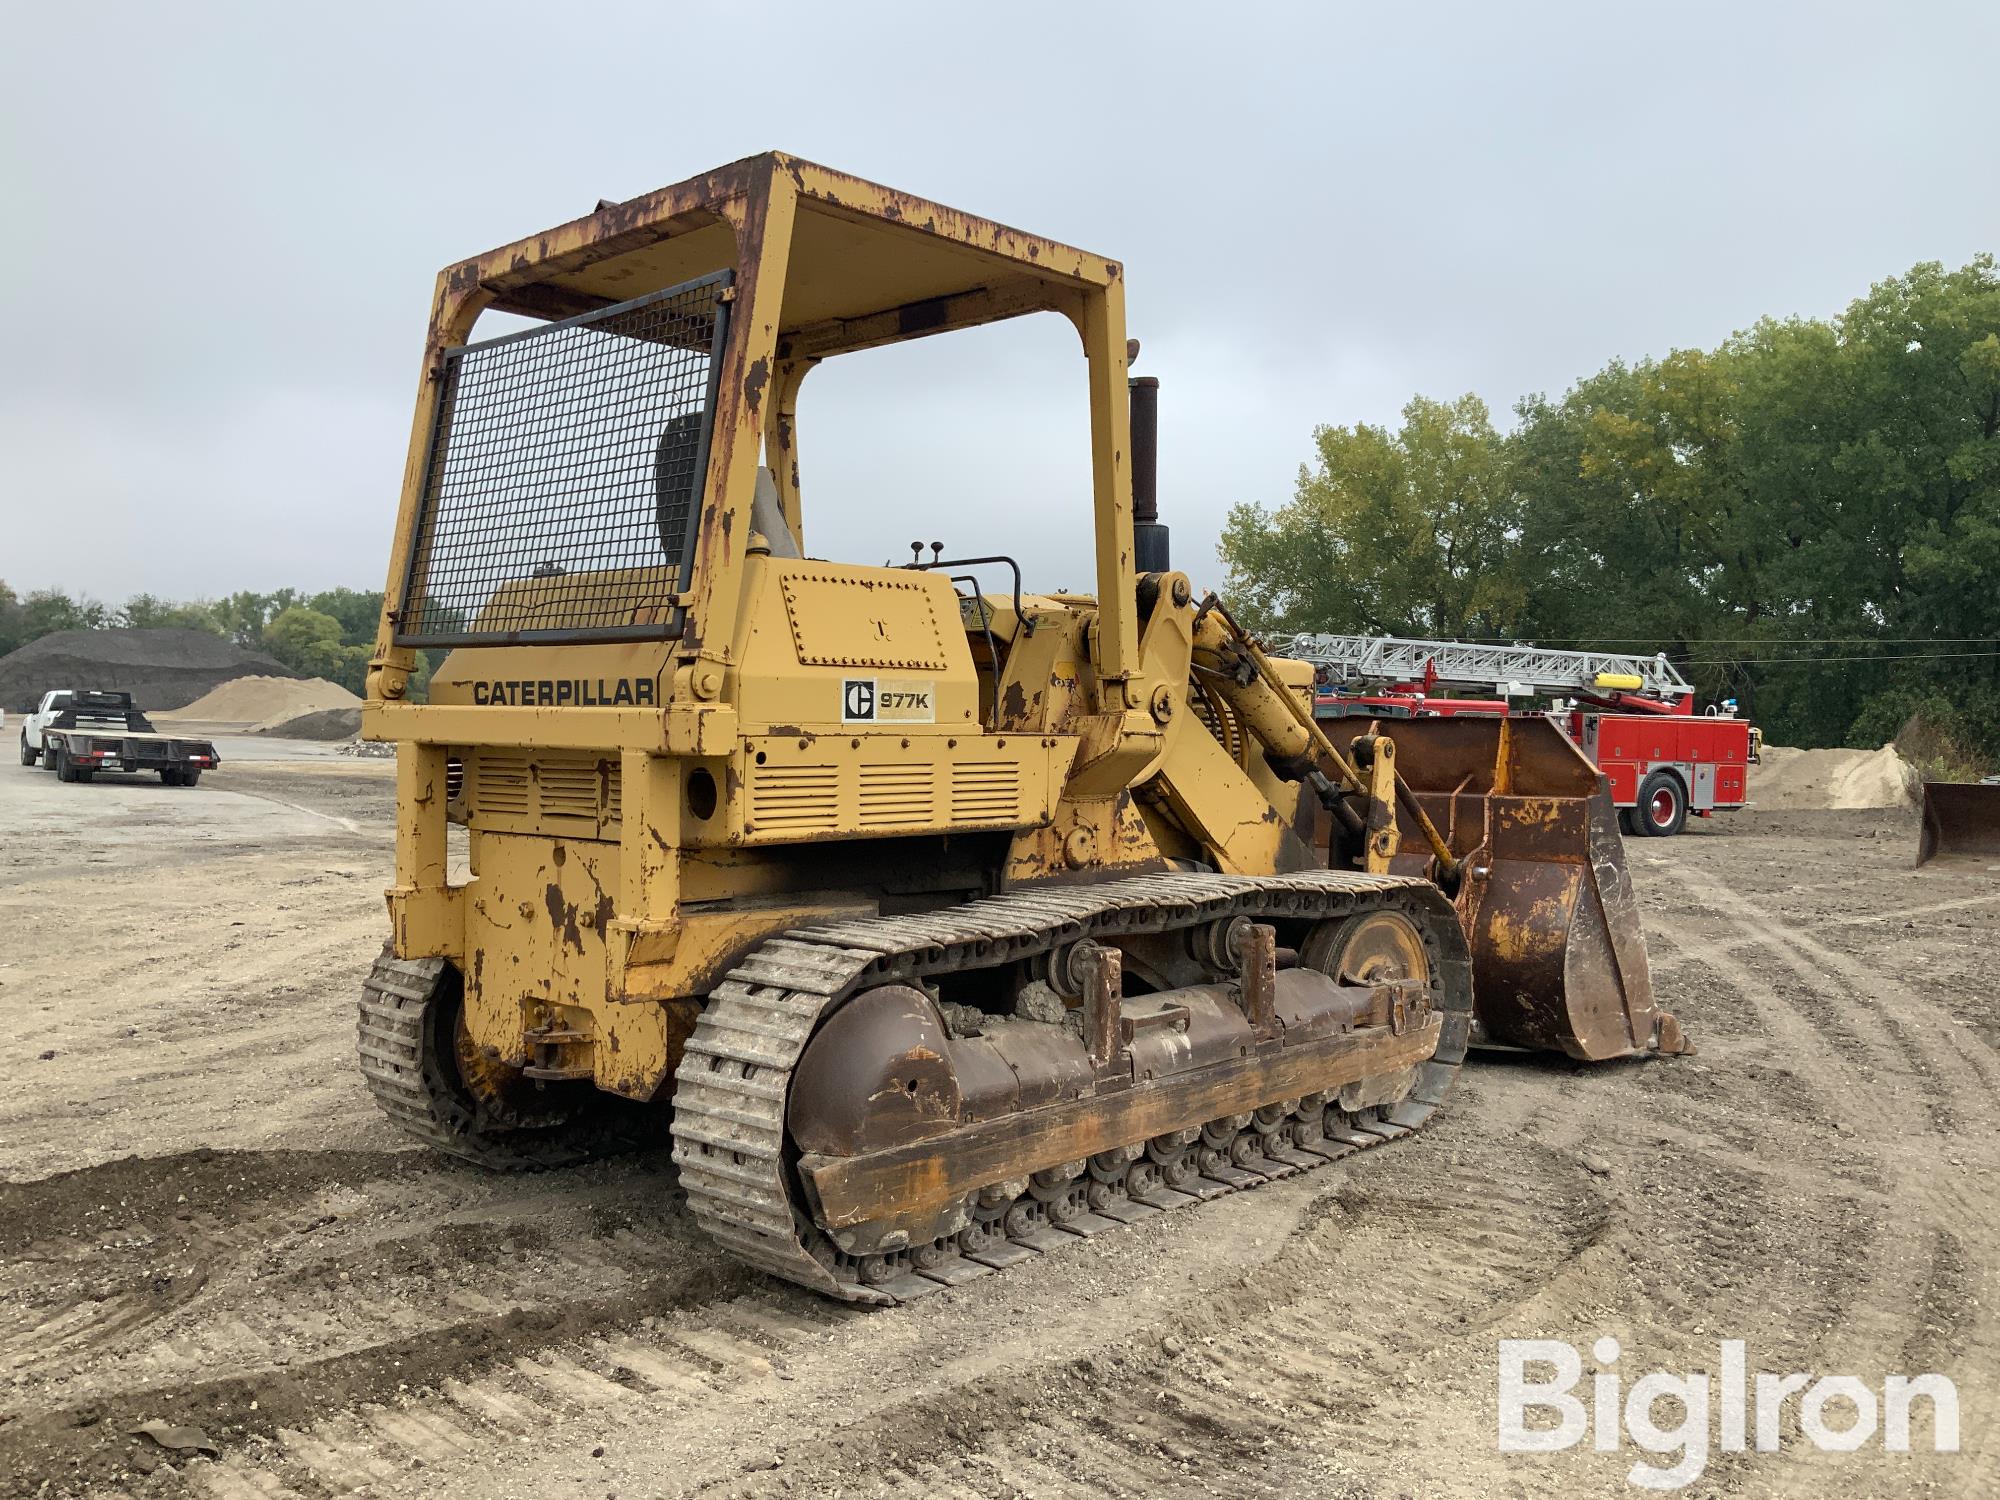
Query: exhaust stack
x=1149, y=537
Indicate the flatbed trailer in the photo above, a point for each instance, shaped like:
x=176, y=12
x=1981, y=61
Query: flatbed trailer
x=78, y=733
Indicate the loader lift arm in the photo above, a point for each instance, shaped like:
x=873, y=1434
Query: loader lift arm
x=1371, y=777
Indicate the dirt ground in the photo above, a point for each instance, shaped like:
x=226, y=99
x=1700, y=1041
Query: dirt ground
x=204, y=1221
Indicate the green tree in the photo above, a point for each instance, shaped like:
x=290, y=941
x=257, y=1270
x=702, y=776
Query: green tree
x=1807, y=518
x=1924, y=351
x=1405, y=532
x=145, y=612
x=359, y=612
x=1638, y=530
x=244, y=615
x=46, y=611
x=308, y=641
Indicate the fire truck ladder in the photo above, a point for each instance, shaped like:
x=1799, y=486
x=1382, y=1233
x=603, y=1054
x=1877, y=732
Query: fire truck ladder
x=1370, y=660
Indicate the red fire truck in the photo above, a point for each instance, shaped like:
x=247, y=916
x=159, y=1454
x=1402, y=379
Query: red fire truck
x=1633, y=715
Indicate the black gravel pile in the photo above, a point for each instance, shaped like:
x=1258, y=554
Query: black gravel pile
x=161, y=669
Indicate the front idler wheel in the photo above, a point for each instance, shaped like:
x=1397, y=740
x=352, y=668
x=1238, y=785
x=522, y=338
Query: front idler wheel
x=1382, y=947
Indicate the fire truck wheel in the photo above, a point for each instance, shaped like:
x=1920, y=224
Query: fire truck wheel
x=1663, y=806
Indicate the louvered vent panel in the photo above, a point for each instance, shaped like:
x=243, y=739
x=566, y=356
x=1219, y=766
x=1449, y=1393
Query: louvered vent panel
x=985, y=794
x=500, y=784
x=568, y=785
x=898, y=796
x=795, y=799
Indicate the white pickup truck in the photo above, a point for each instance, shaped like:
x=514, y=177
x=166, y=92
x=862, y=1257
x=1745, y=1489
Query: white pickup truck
x=77, y=732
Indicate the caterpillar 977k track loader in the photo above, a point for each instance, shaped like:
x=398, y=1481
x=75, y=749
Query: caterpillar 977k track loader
x=936, y=924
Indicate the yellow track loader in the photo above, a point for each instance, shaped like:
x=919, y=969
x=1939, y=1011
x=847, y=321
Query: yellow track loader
x=936, y=923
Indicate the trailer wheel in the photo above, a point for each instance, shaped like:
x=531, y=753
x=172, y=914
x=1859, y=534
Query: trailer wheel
x=29, y=755
x=1663, y=809
x=169, y=776
x=64, y=770
x=190, y=776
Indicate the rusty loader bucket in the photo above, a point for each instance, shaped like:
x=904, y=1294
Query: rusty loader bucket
x=1558, y=955
x=1961, y=820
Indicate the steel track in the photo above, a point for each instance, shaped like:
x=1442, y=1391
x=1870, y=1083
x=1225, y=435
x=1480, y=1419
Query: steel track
x=729, y=1106
x=409, y=1086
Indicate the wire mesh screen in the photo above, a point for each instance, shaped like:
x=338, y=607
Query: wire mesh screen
x=563, y=488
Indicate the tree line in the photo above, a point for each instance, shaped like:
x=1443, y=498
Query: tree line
x=1806, y=519
x=330, y=634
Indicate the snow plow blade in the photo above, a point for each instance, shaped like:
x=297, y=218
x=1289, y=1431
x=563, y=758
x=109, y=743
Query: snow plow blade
x=1558, y=953
x=1961, y=821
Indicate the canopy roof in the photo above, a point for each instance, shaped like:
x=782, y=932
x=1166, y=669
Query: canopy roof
x=868, y=264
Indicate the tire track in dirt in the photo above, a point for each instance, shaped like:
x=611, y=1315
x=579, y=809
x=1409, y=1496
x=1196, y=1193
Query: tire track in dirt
x=1242, y=1378
x=1969, y=1073
x=1862, y=1059
x=1914, y=1254
x=1310, y=1374
x=1902, y=914
x=197, y=1285
x=1250, y=1338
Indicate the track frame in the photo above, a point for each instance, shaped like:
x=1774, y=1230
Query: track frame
x=740, y=1170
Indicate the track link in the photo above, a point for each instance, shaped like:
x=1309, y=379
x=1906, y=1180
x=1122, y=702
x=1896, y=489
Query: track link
x=732, y=1085
x=390, y=1041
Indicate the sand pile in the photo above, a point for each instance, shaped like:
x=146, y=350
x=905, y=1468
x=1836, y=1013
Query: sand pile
x=1800, y=779
x=161, y=669
x=266, y=702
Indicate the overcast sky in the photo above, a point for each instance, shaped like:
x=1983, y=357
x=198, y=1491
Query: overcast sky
x=223, y=222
